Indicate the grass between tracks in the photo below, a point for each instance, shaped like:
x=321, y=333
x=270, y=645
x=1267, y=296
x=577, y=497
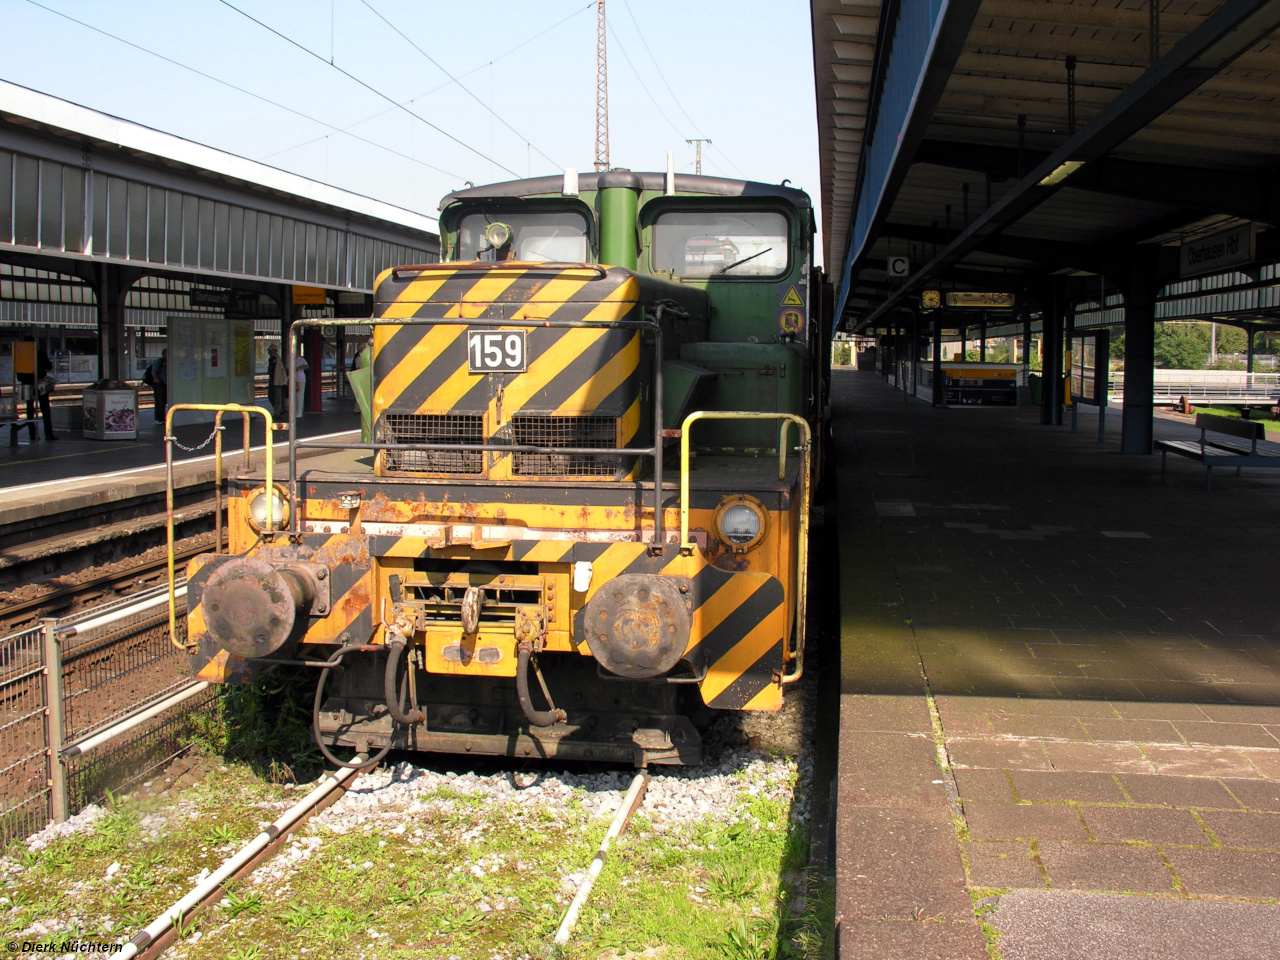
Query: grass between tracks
x=452, y=875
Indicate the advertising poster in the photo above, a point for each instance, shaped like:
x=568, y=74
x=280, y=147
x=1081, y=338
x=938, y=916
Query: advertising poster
x=242, y=337
x=216, y=358
x=184, y=348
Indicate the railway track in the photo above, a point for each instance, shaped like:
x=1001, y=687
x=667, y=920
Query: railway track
x=151, y=942
x=156, y=938
x=57, y=597
x=489, y=860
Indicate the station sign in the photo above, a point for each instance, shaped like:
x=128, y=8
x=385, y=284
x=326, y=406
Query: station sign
x=898, y=267
x=209, y=297
x=990, y=300
x=310, y=296
x=1215, y=253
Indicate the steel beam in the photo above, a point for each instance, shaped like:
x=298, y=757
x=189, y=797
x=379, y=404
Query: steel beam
x=1229, y=192
x=1078, y=256
x=1223, y=36
x=940, y=53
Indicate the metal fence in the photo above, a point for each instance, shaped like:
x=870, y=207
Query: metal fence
x=24, y=779
x=99, y=667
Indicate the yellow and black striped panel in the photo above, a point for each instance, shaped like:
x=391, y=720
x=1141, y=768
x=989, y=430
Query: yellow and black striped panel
x=739, y=621
x=739, y=629
x=588, y=371
x=351, y=586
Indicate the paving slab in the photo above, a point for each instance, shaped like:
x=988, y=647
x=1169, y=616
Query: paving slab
x=1103, y=655
x=1034, y=925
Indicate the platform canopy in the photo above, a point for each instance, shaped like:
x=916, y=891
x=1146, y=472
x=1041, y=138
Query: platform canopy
x=78, y=186
x=991, y=144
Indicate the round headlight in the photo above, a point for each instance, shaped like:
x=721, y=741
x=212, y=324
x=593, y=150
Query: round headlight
x=740, y=522
x=268, y=513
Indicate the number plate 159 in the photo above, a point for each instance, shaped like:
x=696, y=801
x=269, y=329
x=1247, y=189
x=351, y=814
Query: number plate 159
x=496, y=351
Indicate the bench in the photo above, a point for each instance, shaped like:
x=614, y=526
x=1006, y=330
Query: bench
x=16, y=425
x=1220, y=453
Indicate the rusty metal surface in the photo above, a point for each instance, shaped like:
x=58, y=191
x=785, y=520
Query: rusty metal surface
x=250, y=607
x=638, y=625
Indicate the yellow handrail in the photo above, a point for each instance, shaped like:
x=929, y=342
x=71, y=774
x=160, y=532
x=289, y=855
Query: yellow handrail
x=218, y=409
x=806, y=449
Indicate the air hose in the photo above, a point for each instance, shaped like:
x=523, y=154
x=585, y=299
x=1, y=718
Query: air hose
x=334, y=661
x=538, y=718
x=395, y=652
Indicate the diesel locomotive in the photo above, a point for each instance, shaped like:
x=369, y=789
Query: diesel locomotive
x=578, y=519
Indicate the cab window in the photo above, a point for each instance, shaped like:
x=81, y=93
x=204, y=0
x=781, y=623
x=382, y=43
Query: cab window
x=701, y=244
x=557, y=236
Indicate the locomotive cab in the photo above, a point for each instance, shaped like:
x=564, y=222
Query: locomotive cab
x=580, y=521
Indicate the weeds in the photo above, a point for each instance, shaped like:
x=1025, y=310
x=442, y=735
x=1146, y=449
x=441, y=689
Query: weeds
x=233, y=904
x=268, y=724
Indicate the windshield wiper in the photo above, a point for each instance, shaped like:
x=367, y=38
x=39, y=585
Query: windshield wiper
x=738, y=263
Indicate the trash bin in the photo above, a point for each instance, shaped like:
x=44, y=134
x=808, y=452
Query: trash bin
x=1033, y=387
x=110, y=411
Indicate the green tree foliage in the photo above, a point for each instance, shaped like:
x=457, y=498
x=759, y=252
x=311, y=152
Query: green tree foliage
x=1179, y=347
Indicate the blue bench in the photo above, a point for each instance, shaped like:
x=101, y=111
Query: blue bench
x=1214, y=452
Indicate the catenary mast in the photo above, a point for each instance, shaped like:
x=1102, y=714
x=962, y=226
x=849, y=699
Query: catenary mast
x=602, y=91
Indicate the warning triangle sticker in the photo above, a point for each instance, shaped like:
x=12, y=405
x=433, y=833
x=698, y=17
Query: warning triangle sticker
x=792, y=299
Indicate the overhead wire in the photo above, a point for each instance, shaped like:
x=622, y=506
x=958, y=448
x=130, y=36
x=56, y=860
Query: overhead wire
x=372, y=89
x=435, y=63
x=239, y=89
x=663, y=77
x=645, y=87
x=487, y=63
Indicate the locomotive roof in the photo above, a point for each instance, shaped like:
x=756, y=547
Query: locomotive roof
x=685, y=183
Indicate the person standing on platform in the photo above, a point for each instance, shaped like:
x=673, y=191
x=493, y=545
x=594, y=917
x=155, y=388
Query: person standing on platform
x=277, y=382
x=301, y=397
x=157, y=378
x=42, y=386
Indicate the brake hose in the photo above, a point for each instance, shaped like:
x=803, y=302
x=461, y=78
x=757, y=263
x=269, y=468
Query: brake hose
x=539, y=718
x=332, y=662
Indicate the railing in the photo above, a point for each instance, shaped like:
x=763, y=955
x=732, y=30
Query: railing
x=653, y=452
x=796, y=653
x=218, y=409
x=107, y=682
x=1208, y=387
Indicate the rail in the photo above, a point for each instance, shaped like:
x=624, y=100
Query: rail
x=653, y=452
x=796, y=653
x=218, y=409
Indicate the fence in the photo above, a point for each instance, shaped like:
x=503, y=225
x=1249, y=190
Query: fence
x=91, y=702
x=1229, y=387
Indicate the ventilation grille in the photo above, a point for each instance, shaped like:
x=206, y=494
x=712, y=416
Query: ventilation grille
x=432, y=428
x=564, y=432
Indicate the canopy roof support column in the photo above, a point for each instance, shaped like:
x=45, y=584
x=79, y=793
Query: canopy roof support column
x=1138, y=420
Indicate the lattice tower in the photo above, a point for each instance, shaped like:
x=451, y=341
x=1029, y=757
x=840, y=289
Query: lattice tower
x=602, y=91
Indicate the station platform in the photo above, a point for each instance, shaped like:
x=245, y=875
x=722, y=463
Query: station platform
x=1060, y=691
x=42, y=478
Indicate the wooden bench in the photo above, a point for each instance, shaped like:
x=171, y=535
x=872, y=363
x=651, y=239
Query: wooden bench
x=16, y=425
x=1220, y=453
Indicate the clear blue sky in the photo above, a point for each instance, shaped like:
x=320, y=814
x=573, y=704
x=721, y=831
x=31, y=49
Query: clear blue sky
x=739, y=72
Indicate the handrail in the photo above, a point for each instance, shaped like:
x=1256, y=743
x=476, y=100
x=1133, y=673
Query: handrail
x=218, y=410
x=802, y=560
x=654, y=451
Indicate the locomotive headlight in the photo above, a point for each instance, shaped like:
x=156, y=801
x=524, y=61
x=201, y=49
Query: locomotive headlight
x=740, y=522
x=268, y=513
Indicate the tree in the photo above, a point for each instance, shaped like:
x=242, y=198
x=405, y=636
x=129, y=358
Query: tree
x=1178, y=346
